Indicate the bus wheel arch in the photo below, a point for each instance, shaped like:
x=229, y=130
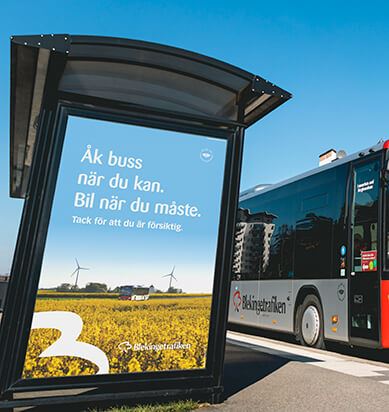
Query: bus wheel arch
x=309, y=309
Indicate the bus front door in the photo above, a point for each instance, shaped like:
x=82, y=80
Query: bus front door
x=364, y=274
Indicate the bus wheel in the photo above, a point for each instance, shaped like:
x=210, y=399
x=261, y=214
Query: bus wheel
x=310, y=323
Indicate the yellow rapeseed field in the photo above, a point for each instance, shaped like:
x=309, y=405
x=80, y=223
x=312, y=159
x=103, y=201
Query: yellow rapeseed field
x=108, y=322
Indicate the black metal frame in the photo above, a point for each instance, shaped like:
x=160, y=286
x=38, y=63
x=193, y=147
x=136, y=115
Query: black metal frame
x=36, y=181
x=31, y=243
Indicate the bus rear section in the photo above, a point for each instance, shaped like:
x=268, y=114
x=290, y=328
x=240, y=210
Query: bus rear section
x=311, y=254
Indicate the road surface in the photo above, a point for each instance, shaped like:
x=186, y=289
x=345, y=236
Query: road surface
x=263, y=374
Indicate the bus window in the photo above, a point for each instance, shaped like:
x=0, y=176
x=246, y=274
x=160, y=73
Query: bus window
x=364, y=280
x=365, y=215
x=313, y=245
x=281, y=241
x=314, y=229
x=253, y=234
x=365, y=239
x=264, y=239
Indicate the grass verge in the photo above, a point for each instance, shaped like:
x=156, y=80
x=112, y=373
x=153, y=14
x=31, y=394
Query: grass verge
x=181, y=406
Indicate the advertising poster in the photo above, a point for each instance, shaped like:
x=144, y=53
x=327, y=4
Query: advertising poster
x=129, y=261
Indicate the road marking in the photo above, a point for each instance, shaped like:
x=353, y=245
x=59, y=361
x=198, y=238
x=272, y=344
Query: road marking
x=311, y=356
x=359, y=369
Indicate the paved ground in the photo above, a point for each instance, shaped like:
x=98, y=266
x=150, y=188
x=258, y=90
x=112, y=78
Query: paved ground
x=265, y=375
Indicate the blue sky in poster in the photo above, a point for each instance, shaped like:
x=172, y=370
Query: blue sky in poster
x=117, y=253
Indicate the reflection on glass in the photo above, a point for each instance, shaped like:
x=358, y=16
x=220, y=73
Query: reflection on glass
x=252, y=244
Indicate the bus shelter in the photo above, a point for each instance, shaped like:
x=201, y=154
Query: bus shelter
x=128, y=156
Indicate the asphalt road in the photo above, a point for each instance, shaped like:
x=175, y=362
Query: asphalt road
x=262, y=374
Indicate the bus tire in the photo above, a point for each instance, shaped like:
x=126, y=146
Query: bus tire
x=310, y=323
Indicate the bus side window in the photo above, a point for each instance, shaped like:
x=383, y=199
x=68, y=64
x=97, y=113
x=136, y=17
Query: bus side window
x=365, y=213
x=313, y=247
x=264, y=241
x=249, y=245
x=365, y=239
x=315, y=232
x=279, y=257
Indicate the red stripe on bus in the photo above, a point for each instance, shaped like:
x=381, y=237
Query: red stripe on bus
x=385, y=313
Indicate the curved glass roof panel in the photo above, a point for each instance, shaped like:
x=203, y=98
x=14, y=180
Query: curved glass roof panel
x=148, y=86
x=146, y=76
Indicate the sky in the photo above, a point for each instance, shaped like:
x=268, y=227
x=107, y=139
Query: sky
x=118, y=207
x=332, y=56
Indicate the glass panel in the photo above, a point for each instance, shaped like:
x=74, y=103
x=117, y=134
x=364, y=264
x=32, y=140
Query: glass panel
x=169, y=60
x=316, y=218
x=150, y=87
x=296, y=229
x=365, y=241
x=365, y=217
x=252, y=244
x=129, y=262
x=265, y=237
x=313, y=245
x=364, y=280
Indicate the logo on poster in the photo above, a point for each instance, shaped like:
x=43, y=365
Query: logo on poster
x=206, y=155
x=127, y=346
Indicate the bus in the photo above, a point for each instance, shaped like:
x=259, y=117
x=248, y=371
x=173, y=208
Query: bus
x=131, y=292
x=311, y=254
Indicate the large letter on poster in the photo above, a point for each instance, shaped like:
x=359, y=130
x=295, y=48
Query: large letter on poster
x=128, y=268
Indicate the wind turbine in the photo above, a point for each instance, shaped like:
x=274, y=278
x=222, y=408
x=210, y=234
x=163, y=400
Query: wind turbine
x=77, y=272
x=171, y=276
